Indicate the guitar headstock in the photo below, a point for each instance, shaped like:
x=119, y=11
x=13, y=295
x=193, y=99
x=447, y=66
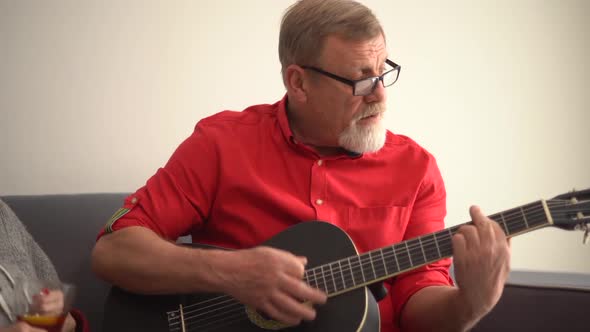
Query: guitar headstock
x=571, y=211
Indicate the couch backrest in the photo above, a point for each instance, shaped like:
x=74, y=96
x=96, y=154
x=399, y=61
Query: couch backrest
x=65, y=226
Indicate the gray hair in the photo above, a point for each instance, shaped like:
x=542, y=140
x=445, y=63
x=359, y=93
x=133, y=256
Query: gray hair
x=307, y=23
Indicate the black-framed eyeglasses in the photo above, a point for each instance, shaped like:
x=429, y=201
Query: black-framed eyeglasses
x=364, y=86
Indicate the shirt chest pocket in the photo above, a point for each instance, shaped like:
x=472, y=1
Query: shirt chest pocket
x=376, y=227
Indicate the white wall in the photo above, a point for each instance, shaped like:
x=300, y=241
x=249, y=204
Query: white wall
x=95, y=95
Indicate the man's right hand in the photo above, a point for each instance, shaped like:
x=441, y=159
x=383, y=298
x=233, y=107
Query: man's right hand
x=271, y=281
x=20, y=327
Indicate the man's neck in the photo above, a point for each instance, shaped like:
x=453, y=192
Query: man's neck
x=302, y=134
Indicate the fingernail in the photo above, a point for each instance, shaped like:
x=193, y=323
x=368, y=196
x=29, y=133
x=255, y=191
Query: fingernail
x=45, y=291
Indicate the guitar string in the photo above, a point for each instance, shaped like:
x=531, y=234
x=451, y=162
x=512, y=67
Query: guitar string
x=231, y=319
x=231, y=316
x=359, y=265
x=241, y=313
x=333, y=276
x=342, y=270
x=235, y=315
x=377, y=267
x=241, y=310
x=318, y=267
x=352, y=267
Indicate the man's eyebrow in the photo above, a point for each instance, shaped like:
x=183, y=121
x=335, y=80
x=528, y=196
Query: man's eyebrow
x=369, y=70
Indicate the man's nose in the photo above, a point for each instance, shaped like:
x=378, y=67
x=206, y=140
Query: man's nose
x=378, y=94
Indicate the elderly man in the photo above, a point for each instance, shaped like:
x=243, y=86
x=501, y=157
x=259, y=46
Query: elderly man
x=320, y=153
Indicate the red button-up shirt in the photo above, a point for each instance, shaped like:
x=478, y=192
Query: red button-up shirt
x=240, y=178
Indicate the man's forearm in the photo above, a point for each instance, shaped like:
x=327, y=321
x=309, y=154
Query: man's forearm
x=438, y=308
x=138, y=260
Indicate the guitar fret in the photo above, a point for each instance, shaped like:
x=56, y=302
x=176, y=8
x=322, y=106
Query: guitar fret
x=402, y=258
x=538, y=215
x=429, y=248
x=395, y=257
x=342, y=275
x=383, y=260
x=436, y=243
x=443, y=239
x=422, y=247
x=368, y=267
x=324, y=277
x=352, y=272
x=524, y=217
x=512, y=223
x=504, y=224
x=416, y=251
x=309, y=279
x=316, y=279
x=333, y=277
x=408, y=251
x=372, y=266
x=361, y=267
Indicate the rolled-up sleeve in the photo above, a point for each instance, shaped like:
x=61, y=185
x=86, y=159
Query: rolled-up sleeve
x=428, y=213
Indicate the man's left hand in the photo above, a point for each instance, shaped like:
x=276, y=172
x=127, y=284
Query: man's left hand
x=482, y=263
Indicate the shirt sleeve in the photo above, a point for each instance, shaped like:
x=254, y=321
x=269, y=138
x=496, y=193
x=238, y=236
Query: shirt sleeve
x=428, y=213
x=178, y=198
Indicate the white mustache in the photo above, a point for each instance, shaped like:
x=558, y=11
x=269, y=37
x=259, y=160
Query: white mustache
x=370, y=110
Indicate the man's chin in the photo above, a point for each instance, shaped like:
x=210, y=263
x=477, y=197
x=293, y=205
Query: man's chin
x=372, y=140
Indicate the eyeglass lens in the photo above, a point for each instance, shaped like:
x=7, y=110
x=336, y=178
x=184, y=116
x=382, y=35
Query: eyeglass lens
x=367, y=86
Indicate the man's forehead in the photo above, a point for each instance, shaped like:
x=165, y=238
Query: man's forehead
x=359, y=53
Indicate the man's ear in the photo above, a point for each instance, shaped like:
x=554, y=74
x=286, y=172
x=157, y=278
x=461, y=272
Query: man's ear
x=297, y=83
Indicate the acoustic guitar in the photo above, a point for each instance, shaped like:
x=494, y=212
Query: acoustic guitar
x=334, y=267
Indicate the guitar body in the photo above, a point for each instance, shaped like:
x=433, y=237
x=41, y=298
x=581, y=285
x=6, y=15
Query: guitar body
x=320, y=242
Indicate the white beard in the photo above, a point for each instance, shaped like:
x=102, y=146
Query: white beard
x=364, y=138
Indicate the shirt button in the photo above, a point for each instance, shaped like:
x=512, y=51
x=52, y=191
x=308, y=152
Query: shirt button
x=134, y=200
x=320, y=162
x=319, y=201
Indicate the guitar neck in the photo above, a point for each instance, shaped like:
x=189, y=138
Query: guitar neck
x=357, y=271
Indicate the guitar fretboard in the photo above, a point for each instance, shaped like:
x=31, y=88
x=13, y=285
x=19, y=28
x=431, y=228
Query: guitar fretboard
x=357, y=271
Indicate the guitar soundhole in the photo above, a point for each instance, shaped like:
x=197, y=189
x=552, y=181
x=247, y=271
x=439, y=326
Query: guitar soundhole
x=263, y=321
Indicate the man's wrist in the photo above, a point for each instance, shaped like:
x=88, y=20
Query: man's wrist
x=213, y=269
x=467, y=312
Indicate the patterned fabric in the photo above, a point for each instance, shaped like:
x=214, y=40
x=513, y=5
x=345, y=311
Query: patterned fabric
x=20, y=258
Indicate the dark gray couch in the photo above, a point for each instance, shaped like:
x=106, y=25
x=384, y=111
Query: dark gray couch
x=66, y=227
